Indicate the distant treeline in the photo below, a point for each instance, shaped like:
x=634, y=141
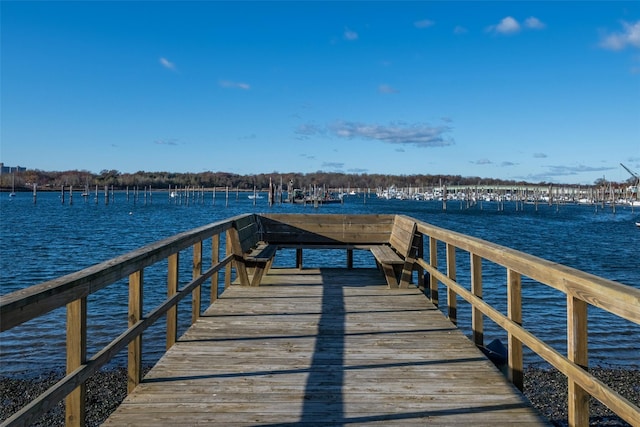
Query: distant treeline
x=159, y=180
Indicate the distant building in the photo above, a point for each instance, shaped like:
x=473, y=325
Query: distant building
x=9, y=169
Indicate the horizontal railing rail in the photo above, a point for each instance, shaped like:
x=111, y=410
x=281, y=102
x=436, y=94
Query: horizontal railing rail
x=580, y=288
x=71, y=291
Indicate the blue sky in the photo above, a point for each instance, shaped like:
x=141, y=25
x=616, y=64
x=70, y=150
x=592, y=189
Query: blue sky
x=535, y=91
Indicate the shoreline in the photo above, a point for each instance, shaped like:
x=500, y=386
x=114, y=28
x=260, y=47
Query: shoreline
x=545, y=388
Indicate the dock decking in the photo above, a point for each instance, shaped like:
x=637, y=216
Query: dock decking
x=324, y=347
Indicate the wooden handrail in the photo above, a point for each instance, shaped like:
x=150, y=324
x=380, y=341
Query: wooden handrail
x=29, y=303
x=72, y=291
x=581, y=289
x=616, y=298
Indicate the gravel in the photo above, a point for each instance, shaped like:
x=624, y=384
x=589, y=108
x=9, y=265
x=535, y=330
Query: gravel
x=105, y=391
x=545, y=388
x=547, y=391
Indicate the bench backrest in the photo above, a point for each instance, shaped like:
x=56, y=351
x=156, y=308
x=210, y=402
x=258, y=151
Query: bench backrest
x=403, y=235
x=326, y=229
x=248, y=231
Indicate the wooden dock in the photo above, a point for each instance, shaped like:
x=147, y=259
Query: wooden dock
x=324, y=347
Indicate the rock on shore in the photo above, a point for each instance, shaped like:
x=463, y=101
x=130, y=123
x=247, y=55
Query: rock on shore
x=546, y=389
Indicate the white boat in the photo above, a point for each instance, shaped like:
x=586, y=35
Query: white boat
x=13, y=185
x=253, y=196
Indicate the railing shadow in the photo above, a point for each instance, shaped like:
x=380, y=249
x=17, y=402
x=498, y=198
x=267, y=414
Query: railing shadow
x=324, y=386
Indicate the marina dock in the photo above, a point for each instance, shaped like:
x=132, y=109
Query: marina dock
x=324, y=347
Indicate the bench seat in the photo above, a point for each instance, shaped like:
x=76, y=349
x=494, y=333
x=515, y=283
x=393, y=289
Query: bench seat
x=386, y=255
x=262, y=252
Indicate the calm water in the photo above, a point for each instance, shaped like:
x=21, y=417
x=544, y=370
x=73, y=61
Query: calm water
x=46, y=240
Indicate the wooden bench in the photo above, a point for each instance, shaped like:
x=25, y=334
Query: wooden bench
x=396, y=260
x=253, y=256
x=326, y=231
x=390, y=238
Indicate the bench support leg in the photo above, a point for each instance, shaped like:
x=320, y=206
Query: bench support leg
x=390, y=274
x=299, y=258
x=241, y=270
x=258, y=272
x=406, y=274
x=250, y=273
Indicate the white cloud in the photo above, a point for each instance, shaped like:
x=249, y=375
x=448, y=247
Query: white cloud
x=387, y=89
x=534, y=23
x=425, y=23
x=629, y=36
x=169, y=141
x=421, y=135
x=418, y=134
x=508, y=25
x=482, y=162
x=460, y=30
x=333, y=165
x=234, y=85
x=563, y=170
x=556, y=173
x=167, y=64
x=350, y=34
x=308, y=129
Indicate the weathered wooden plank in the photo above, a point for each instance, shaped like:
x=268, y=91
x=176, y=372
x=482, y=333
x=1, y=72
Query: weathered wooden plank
x=323, y=346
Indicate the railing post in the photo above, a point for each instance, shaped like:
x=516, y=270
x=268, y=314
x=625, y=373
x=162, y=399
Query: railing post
x=420, y=255
x=172, y=289
x=514, y=312
x=215, y=258
x=433, y=262
x=228, y=251
x=135, y=315
x=349, y=259
x=476, y=288
x=299, y=258
x=451, y=273
x=577, y=352
x=76, y=356
x=196, y=295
